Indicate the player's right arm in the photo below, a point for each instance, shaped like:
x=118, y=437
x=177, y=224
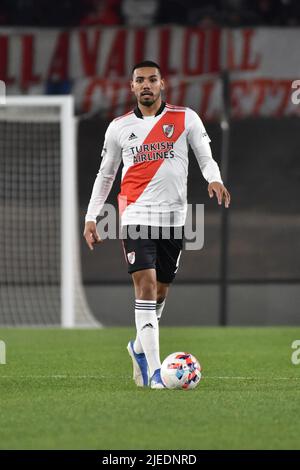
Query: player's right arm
x=111, y=159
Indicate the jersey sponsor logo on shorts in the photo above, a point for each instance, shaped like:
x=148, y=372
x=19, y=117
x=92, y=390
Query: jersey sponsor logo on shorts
x=168, y=130
x=131, y=257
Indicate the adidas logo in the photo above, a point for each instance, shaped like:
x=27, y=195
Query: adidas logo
x=148, y=325
x=132, y=136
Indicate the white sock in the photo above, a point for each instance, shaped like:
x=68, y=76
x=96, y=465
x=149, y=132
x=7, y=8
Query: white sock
x=159, y=309
x=147, y=332
x=137, y=343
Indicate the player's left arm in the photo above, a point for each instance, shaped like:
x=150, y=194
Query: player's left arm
x=199, y=141
x=222, y=193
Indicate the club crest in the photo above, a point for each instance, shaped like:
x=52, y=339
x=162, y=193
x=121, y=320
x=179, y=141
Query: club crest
x=168, y=130
x=131, y=257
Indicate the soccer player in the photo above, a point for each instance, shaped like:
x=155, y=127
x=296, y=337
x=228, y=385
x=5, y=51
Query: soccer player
x=152, y=142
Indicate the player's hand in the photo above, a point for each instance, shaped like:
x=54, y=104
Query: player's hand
x=91, y=235
x=220, y=191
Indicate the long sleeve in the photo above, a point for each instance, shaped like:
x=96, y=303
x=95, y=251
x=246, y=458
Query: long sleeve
x=199, y=141
x=111, y=159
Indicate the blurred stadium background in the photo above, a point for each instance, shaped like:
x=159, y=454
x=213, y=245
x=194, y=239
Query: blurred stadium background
x=232, y=61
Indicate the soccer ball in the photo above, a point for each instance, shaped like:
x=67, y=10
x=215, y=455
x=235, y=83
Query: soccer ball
x=181, y=370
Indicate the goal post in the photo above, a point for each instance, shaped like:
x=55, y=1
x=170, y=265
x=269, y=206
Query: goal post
x=40, y=273
x=68, y=211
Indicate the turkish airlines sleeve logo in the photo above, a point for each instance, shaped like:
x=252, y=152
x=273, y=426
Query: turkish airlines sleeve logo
x=168, y=130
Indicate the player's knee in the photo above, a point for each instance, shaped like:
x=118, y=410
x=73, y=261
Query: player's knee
x=147, y=289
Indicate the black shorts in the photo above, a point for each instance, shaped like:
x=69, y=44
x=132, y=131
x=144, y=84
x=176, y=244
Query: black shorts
x=156, y=247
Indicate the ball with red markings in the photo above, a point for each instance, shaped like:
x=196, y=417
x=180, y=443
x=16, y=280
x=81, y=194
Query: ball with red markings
x=181, y=370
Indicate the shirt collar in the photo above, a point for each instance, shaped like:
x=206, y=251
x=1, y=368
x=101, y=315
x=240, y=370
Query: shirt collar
x=138, y=112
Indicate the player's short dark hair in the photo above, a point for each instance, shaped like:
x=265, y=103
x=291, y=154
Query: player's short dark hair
x=147, y=63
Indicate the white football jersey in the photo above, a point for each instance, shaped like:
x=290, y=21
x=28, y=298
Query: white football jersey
x=154, y=152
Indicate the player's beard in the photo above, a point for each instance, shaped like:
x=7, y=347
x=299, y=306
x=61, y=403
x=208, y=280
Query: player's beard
x=149, y=101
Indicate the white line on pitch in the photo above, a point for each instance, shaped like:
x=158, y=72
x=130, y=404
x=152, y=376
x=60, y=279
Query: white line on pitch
x=252, y=378
x=61, y=377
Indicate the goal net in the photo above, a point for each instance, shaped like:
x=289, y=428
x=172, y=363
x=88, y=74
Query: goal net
x=40, y=275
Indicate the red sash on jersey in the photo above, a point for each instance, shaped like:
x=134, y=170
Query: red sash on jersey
x=138, y=176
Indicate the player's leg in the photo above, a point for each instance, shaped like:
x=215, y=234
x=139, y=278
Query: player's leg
x=168, y=255
x=161, y=294
x=140, y=255
x=145, y=316
x=167, y=261
x=162, y=289
x=145, y=284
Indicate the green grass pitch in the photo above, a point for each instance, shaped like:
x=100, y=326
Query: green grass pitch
x=73, y=389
